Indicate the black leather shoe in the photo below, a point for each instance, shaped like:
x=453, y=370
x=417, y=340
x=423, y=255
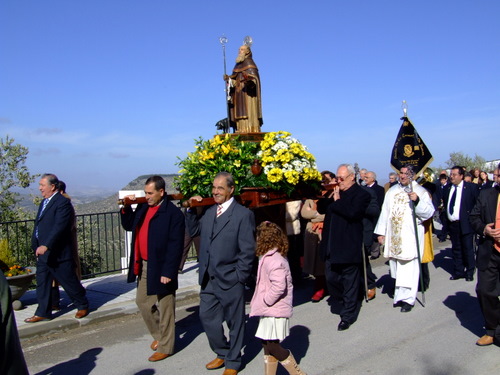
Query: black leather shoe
x=456, y=277
x=343, y=325
x=406, y=307
x=469, y=278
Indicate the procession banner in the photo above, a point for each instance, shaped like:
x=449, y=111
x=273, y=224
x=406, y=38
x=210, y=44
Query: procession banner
x=409, y=148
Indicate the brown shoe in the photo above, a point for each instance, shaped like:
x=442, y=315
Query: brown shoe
x=371, y=294
x=81, y=313
x=215, y=364
x=154, y=345
x=230, y=371
x=35, y=319
x=158, y=357
x=485, y=340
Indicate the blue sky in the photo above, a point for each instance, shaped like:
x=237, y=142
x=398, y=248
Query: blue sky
x=102, y=91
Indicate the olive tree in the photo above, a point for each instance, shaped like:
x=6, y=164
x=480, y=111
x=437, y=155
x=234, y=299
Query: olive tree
x=464, y=160
x=13, y=174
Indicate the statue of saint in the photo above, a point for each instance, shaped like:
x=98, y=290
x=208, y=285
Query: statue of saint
x=244, y=93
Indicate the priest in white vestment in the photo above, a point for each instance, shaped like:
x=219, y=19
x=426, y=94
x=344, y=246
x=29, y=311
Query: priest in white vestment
x=396, y=230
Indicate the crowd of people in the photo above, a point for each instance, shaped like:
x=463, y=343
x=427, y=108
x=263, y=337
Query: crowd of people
x=331, y=237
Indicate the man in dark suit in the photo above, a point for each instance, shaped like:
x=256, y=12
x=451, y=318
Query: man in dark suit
x=52, y=241
x=227, y=251
x=459, y=199
x=342, y=244
x=157, y=244
x=438, y=200
x=485, y=219
x=371, y=182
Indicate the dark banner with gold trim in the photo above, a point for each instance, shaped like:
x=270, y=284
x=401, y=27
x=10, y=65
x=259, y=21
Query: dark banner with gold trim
x=409, y=148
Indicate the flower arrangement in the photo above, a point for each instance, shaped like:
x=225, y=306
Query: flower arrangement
x=221, y=153
x=285, y=159
x=8, y=262
x=286, y=163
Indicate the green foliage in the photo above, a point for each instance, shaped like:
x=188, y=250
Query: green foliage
x=13, y=173
x=6, y=258
x=222, y=153
x=8, y=262
x=461, y=159
x=285, y=163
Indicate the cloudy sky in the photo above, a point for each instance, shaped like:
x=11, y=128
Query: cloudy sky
x=102, y=91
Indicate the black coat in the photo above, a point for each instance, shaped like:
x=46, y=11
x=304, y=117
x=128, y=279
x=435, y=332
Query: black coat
x=342, y=240
x=469, y=196
x=484, y=213
x=380, y=192
x=165, y=244
x=54, y=230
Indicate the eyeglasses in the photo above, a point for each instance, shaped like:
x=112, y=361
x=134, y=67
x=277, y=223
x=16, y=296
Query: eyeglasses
x=341, y=179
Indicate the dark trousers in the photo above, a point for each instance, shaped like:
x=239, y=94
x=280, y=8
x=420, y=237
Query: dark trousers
x=344, y=284
x=462, y=248
x=64, y=272
x=188, y=241
x=371, y=278
x=487, y=290
x=443, y=217
x=216, y=306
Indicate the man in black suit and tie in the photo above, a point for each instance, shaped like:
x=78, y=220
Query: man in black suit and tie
x=227, y=251
x=438, y=200
x=342, y=244
x=371, y=182
x=485, y=219
x=459, y=199
x=53, y=243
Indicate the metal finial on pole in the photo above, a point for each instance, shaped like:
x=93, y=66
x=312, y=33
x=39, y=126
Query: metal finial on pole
x=248, y=41
x=404, y=107
x=223, y=41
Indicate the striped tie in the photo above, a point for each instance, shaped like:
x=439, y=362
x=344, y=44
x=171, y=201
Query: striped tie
x=219, y=210
x=45, y=203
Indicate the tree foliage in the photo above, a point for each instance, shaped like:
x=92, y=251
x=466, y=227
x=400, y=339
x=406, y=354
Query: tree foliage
x=13, y=174
x=459, y=158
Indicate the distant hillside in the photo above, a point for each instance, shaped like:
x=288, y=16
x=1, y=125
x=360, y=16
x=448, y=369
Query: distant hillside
x=109, y=204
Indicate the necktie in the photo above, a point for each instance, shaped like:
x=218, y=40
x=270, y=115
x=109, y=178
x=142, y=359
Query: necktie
x=453, y=199
x=497, y=222
x=219, y=210
x=44, y=204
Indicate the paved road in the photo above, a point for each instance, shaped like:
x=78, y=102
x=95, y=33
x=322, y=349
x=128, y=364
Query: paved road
x=436, y=339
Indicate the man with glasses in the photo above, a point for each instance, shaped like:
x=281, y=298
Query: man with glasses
x=342, y=243
x=396, y=230
x=459, y=198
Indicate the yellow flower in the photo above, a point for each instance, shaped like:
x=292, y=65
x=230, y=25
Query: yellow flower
x=237, y=163
x=275, y=175
x=216, y=141
x=292, y=177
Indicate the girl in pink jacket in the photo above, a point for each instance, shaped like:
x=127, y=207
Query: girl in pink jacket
x=273, y=298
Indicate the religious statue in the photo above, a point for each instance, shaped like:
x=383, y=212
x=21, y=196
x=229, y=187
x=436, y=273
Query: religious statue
x=244, y=103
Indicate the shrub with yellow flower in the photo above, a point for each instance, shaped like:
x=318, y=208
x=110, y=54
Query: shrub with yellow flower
x=286, y=163
x=8, y=261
